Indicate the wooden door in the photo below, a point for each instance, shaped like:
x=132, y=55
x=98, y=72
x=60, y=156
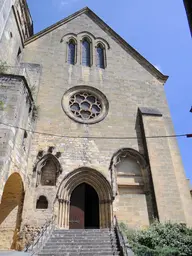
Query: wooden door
x=77, y=208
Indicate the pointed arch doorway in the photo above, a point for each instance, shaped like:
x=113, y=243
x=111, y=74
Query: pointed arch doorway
x=84, y=200
x=84, y=208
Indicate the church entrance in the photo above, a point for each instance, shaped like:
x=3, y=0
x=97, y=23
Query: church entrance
x=84, y=208
x=84, y=201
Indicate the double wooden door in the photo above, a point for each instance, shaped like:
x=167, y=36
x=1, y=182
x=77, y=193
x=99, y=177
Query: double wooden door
x=84, y=208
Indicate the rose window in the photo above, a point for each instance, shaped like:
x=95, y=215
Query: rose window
x=85, y=104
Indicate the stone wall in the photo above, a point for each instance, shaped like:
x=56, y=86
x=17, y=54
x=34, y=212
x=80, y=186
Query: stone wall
x=16, y=111
x=10, y=42
x=168, y=176
x=5, y=9
x=15, y=26
x=131, y=207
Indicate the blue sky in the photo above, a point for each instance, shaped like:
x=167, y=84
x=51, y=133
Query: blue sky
x=159, y=31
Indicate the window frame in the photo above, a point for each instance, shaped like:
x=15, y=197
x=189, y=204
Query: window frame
x=86, y=38
x=75, y=54
x=102, y=46
x=38, y=199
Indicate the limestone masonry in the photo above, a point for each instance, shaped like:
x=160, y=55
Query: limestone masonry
x=78, y=108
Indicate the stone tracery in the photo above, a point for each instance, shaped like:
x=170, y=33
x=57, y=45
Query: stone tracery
x=85, y=105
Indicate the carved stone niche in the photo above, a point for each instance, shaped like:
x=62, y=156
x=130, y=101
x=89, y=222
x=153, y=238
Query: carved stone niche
x=48, y=170
x=128, y=168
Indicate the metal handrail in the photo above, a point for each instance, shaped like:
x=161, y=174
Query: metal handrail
x=37, y=243
x=125, y=248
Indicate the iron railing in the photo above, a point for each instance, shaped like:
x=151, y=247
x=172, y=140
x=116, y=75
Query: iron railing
x=38, y=242
x=125, y=248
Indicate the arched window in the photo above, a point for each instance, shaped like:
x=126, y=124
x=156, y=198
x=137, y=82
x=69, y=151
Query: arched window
x=42, y=203
x=100, y=56
x=71, y=52
x=49, y=173
x=86, y=53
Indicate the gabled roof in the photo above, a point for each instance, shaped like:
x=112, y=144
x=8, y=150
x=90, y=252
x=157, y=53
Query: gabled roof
x=128, y=48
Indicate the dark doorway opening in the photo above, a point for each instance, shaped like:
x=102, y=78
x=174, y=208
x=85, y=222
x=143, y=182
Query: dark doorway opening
x=84, y=208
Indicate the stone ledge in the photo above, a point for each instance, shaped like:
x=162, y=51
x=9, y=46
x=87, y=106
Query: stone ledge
x=150, y=111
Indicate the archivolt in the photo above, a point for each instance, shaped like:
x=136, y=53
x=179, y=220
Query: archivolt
x=98, y=182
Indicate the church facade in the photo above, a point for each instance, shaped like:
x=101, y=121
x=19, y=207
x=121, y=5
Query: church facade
x=84, y=127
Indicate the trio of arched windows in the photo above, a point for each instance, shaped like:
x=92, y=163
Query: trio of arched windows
x=86, y=53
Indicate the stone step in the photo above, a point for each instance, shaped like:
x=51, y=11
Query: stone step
x=79, y=254
x=78, y=244
x=90, y=245
x=68, y=249
x=84, y=230
x=75, y=238
x=84, y=234
x=81, y=237
x=72, y=240
x=81, y=242
x=90, y=250
x=50, y=244
x=84, y=249
x=81, y=234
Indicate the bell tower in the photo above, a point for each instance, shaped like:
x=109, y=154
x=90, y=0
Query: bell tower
x=15, y=27
x=24, y=19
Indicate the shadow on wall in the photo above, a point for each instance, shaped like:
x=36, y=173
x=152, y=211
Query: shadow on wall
x=11, y=211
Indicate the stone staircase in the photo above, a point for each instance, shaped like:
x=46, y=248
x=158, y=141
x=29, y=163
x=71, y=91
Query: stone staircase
x=88, y=242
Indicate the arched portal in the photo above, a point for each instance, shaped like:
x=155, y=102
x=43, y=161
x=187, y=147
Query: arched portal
x=10, y=211
x=84, y=208
x=83, y=182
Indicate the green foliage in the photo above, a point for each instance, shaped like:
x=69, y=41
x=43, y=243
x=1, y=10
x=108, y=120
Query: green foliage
x=3, y=67
x=1, y=105
x=169, y=239
x=32, y=89
x=35, y=112
x=129, y=233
